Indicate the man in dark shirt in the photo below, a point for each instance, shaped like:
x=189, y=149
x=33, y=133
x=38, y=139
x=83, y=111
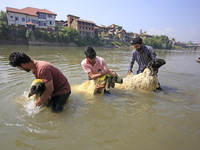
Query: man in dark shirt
x=142, y=54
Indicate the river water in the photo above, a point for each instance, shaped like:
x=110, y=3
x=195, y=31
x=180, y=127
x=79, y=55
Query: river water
x=167, y=120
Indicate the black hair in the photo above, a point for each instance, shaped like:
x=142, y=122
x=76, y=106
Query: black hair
x=90, y=52
x=16, y=58
x=136, y=40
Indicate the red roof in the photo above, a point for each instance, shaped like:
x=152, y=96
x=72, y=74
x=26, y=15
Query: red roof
x=30, y=23
x=30, y=11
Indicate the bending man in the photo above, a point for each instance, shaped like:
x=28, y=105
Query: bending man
x=57, y=87
x=95, y=66
x=142, y=54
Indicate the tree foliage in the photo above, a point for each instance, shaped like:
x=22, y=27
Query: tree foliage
x=4, y=30
x=3, y=16
x=159, y=42
x=66, y=35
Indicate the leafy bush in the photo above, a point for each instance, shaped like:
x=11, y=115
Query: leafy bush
x=159, y=42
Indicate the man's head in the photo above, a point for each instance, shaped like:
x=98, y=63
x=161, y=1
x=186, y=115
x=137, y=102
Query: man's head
x=18, y=59
x=137, y=43
x=90, y=54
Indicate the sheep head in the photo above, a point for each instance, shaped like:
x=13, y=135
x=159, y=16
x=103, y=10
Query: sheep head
x=155, y=64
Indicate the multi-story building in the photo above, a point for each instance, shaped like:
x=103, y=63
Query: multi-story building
x=122, y=35
x=42, y=18
x=129, y=36
x=102, y=31
x=115, y=27
x=145, y=35
x=85, y=27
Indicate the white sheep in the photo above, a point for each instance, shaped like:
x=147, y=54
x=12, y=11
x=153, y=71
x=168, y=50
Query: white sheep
x=146, y=81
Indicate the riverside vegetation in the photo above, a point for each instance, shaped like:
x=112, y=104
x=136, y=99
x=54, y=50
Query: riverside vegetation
x=11, y=35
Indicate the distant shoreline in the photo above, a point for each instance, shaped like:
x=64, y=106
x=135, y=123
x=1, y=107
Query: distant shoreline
x=38, y=43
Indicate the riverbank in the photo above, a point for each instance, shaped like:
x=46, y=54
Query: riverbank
x=40, y=43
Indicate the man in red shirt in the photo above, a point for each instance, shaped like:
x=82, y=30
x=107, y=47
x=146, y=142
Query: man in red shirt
x=57, y=87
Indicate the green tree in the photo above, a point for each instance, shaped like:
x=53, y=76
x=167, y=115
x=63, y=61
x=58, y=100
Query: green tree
x=159, y=42
x=72, y=33
x=50, y=37
x=3, y=16
x=56, y=27
x=60, y=37
x=28, y=34
x=4, y=30
x=190, y=43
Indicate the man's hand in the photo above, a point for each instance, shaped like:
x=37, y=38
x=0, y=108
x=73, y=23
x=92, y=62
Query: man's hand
x=112, y=73
x=128, y=73
x=39, y=102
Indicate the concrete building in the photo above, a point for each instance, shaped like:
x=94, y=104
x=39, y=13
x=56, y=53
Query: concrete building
x=42, y=18
x=122, y=35
x=85, y=27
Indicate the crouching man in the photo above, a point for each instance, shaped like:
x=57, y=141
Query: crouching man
x=57, y=88
x=96, y=67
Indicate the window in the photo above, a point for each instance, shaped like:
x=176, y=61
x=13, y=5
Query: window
x=23, y=19
x=34, y=21
x=51, y=23
x=17, y=18
x=11, y=16
x=42, y=16
x=42, y=23
x=50, y=16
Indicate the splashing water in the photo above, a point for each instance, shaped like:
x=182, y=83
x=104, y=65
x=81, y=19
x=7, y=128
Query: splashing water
x=29, y=104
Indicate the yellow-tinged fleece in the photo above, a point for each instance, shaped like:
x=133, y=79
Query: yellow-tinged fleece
x=144, y=82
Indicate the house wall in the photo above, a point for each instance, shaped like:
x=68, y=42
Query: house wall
x=22, y=19
x=33, y=19
x=49, y=21
x=74, y=24
x=16, y=18
x=86, y=28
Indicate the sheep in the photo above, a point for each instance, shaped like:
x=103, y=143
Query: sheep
x=198, y=60
x=101, y=85
x=146, y=81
